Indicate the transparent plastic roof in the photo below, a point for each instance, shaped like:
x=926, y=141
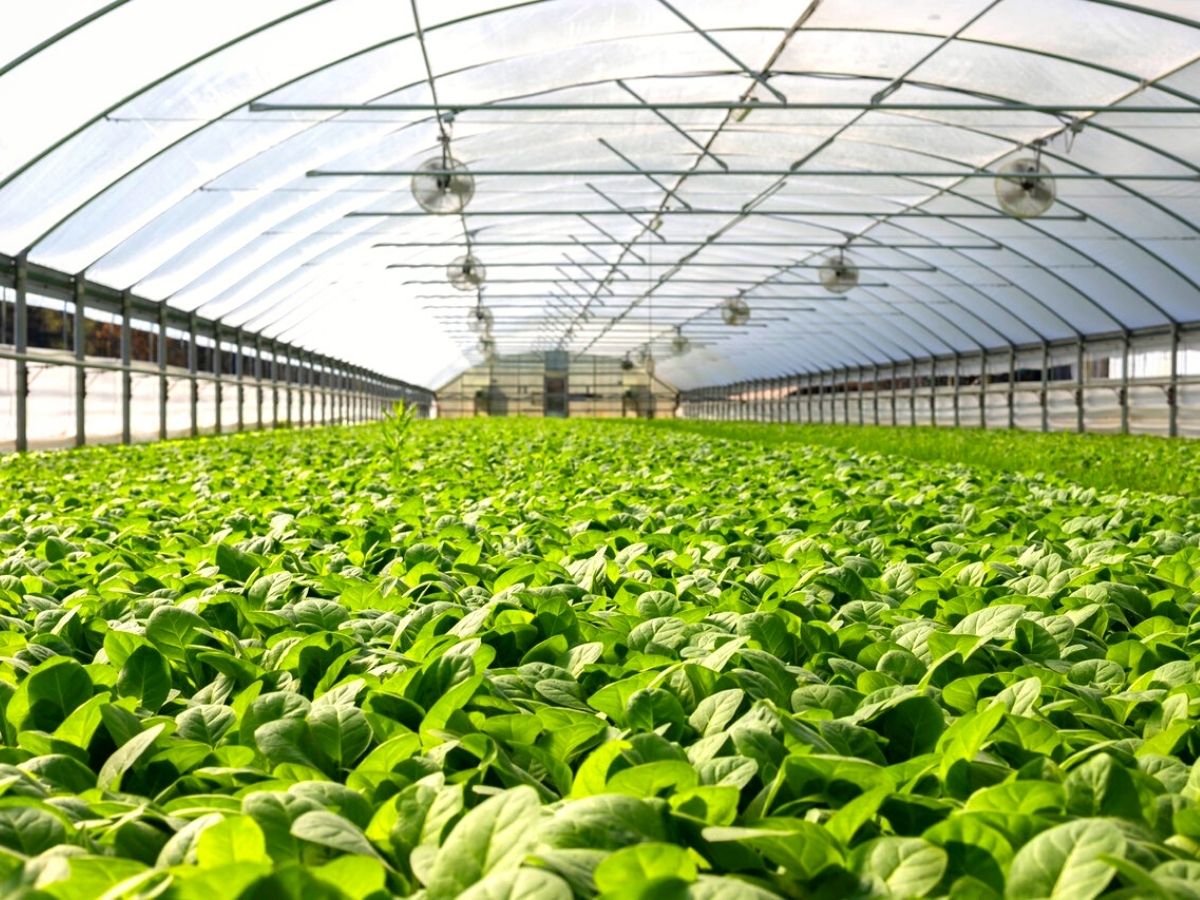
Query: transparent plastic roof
x=636, y=162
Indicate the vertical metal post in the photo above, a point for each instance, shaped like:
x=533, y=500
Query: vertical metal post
x=21, y=347
x=287, y=381
x=274, y=385
x=323, y=381
x=1173, y=386
x=912, y=394
x=79, y=295
x=162, y=371
x=1079, y=386
x=933, y=390
x=844, y=375
x=258, y=381
x=957, y=387
x=301, y=387
x=194, y=384
x=808, y=399
x=126, y=369
x=1125, y=384
x=239, y=371
x=895, y=399
x=1045, y=389
x=983, y=386
x=216, y=371
x=1012, y=388
x=861, y=376
x=875, y=393
x=309, y=386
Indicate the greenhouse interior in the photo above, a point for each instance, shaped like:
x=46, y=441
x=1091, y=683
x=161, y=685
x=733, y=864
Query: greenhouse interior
x=616, y=449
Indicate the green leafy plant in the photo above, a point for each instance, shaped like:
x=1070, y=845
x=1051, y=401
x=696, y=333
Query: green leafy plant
x=394, y=433
x=587, y=660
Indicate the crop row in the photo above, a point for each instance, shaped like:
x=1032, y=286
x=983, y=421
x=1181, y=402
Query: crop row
x=552, y=660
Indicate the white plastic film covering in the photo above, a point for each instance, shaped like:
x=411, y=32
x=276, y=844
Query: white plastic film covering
x=146, y=149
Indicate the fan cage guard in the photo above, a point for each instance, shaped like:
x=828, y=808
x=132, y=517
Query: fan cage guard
x=735, y=311
x=466, y=273
x=443, y=185
x=1022, y=196
x=838, y=274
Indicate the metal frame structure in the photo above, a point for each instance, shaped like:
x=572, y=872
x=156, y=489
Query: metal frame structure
x=1027, y=396
x=961, y=282
x=362, y=395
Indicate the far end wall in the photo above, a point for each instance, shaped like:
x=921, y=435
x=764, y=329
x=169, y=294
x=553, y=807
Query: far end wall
x=556, y=384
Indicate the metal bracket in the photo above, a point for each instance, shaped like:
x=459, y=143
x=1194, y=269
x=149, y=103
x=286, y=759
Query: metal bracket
x=757, y=76
x=691, y=140
x=670, y=192
x=617, y=206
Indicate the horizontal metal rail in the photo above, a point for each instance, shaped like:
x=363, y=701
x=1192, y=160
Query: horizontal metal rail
x=1054, y=109
x=810, y=213
x=749, y=173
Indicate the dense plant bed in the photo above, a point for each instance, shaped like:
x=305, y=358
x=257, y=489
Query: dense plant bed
x=1104, y=461
x=544, y=660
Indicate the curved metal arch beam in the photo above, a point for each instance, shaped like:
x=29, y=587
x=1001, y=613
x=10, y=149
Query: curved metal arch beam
x=1102, y=221
x=58, y=36
x=402, y=127
x=961, y=282
x=176, y=143
x=229, y=112
x=931, y=307
x=1082, y=253
x=129, y=98
x=495, y=11
x=938, y=192
x=917, y=282
x=1098, y=220
x=975, y=262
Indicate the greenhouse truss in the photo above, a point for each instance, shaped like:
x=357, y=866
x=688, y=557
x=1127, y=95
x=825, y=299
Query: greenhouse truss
x=971, y=212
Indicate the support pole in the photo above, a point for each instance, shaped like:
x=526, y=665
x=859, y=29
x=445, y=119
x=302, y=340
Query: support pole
x=323, y=381
x=239, y=369
x=258, y=381
x=859, y=391
x=287, y=383
x=875, y=393
x=126, y=369
x=216, y=370
x=1012, y=388
x=301, y=387
x=983, y=392
x=79, y=342
x=21, y=347
x=957, y=388
x=1124, y=390
x=912, y=394
x=1079, y=423
x=933, y=391
x=846, y=396
x=194, y=384
x=163, y=387
x=895, y=404
x=1173, y=386
x=274, y=385
x=1045, y=382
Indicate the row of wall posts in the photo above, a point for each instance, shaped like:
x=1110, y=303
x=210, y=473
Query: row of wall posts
x=337, y=392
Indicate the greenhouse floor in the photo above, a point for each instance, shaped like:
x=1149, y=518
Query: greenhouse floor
x=555, y=659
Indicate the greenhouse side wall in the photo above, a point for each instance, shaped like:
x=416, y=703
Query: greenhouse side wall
x=80, y=365
x=1147, y=384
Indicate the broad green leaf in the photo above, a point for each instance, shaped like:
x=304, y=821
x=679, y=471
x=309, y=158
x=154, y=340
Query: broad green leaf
x=494, y=836
x=1066, y=862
